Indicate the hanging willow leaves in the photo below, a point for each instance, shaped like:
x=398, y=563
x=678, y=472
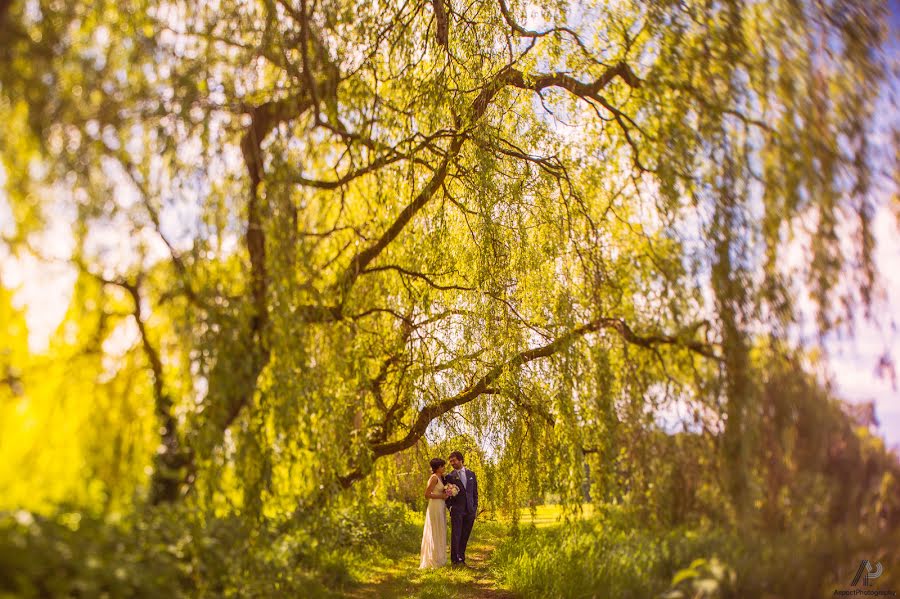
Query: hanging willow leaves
x=349, y=226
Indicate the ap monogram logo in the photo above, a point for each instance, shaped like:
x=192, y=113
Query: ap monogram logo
x=867, y=572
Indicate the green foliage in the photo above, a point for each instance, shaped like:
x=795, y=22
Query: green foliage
x=618, y=556
x=615, y=556
x=334, y=228
x=314, y=243
x=171, y=552
x=369, y=527
x=75, y=555
x=832, y=497
x=702, y=579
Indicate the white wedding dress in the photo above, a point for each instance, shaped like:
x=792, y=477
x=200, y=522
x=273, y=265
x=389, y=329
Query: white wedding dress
x=434, y=537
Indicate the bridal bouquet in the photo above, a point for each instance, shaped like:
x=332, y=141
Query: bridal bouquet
x=451, y=490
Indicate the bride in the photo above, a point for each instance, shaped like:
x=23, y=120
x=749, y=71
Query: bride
x=434, y=537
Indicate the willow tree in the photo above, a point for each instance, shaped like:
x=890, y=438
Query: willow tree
x=337, y=223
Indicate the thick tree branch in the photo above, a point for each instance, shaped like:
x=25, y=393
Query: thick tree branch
x=508, y=76
x=442, y=24
x=263, y=119
x=4, y=10
x=361, y=261
x=313, y=313
x=541, y=81
x=429, y=413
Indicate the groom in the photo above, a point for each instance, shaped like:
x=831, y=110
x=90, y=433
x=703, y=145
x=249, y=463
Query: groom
x=463, y=507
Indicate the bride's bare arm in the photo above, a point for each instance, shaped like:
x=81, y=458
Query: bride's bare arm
x=431, y=482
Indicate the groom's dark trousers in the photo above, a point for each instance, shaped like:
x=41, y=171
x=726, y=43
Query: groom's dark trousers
x=460, y=528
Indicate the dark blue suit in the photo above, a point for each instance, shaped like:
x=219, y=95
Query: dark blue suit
x=463, y=509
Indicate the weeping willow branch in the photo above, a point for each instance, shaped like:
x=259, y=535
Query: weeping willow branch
x=483, y=386
x=528, y=33
x=137, y=179
x=165, y=484
x=361, y=261
x=418, y=275
x=509, y=76
x=391, y=155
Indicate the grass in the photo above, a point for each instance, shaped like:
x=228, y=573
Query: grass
x=396, y=572
x=546, y=516
x=603, y=560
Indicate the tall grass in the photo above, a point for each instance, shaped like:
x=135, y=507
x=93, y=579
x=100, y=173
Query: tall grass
x=618, y=557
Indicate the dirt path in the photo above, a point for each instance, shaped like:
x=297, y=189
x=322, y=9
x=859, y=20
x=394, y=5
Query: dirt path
x=403, y=578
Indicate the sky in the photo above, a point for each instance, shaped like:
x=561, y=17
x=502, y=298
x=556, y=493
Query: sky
x=853, y=360
x=44, y=290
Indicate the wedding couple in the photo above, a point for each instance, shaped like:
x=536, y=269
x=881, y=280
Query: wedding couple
x=458, y=491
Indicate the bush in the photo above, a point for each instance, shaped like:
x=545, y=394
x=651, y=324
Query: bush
x=76, y=556
x=359, y=528
x=170, y=551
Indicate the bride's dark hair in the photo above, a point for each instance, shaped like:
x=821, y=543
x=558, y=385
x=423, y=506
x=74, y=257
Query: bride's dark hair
x=436, y=463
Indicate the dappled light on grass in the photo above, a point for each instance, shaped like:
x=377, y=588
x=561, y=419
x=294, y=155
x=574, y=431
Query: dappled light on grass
x=549, y=515
x=403, y=578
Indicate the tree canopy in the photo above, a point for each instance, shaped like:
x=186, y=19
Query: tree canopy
x=310, y=234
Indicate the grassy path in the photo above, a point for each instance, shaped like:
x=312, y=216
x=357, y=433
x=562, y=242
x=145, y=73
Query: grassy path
x=401, y=576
